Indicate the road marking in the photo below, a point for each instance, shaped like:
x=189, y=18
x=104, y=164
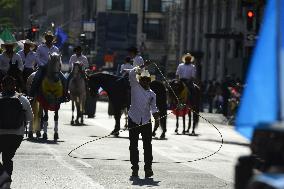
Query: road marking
x=84, y=163
x=81, y=175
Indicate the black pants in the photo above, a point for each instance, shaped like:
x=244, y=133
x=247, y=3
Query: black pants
x=8, y=147
x=146, y=132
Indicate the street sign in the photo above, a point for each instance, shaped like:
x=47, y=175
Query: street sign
x=89, y=26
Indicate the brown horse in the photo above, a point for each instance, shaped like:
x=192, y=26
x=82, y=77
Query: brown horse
x=184, y=101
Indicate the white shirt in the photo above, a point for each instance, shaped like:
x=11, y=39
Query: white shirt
x=42, y=53
x=124, y=67
x=29, y=60
x=28, y=116
x=83, y=59
x=5, y=62
x=143, y=102
x=138, y=61
x=186, y=71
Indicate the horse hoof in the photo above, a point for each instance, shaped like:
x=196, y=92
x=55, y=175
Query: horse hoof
x=72, y=122
x=56, y=137
x=187, y=131
x=115, y=133
x=183, y=132
x=38, y=135
x=176, y=131
x=77, y=122
x=30, y=135
x=193, y=133
x=153, y=134
x=163, y=136
x=44, y=136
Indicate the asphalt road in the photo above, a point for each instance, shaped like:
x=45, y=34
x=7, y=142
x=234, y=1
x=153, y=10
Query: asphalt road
x=105, y=163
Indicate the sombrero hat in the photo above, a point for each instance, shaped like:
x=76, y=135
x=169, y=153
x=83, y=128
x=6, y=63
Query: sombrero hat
x=145, y=73
x=187, y=55
x=48, y=33
x=9, y=43
x=27, y=41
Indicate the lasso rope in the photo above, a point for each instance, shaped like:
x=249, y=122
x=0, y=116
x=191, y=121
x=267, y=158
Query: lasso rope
x=161, y=117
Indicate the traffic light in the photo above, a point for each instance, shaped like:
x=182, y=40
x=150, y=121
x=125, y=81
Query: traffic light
x=250, y=19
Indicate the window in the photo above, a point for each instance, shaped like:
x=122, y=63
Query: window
x=118, y=5
x=153, y=29
x=153, y=5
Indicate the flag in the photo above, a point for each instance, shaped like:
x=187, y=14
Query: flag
x=61, y=37
x=260, y=102
x=6, y=35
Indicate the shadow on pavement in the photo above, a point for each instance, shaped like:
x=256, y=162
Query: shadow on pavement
x=42, y=141
x=144, y=182
x=226, y=142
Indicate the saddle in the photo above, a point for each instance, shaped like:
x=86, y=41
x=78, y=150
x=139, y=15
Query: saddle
x=51, y=94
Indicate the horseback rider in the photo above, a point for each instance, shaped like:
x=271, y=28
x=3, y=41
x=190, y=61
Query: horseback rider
x=11, y=62
x=134, y=54
x=78, y=57
x=43, y=52
x=143, y=103
x=186, y=71
x=29, y=58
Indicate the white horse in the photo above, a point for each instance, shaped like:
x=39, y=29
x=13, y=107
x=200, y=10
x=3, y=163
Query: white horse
x=77, y=88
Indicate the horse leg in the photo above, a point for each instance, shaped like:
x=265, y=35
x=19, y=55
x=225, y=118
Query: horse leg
x=195, y=120
x=189, y=121
x=73, y=108
x=45, y=124
x=78, y=111
x=176, y=124
x=155, y=127
x=163, y=122
x=81, y=112
x=117, y=116
x=56, y=137
x=183, y=124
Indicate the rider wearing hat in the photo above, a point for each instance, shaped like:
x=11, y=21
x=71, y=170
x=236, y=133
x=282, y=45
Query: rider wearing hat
x=9, y=59
x=186, y=71
x=143, y=103
x=29, y=58
x=78, y=57
x=42, y=53
x=137, y=59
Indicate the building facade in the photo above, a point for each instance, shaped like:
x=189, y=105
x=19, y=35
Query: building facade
x=216, y=32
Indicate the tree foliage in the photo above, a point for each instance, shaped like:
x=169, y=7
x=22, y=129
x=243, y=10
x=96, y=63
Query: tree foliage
x=8, y=4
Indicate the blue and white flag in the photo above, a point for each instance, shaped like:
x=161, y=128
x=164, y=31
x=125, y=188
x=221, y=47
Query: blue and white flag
x=260, y=100
x=61, y=37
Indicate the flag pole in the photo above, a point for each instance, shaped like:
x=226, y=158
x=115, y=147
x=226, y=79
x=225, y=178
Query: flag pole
x=280, y=58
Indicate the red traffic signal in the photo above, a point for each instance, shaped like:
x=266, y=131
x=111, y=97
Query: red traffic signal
x=250, y=14
x=34, y=29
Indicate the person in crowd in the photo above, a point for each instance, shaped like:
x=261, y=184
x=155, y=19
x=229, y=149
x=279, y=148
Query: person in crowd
x=11, y=63
x=136, y=58
x=15, y=111
x=29, y=59
x=186, y=71
x=78, y=57
x=42, y=53
x=124, y=67
x=210, y=95
x=143, y=103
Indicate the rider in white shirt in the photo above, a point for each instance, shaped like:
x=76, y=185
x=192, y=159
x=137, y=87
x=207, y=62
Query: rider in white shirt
x=29, y=58
x=186, y=70
x=126, y=66
x=78, y=57
x=9, y=59
x=43, y=52
x=137, y=59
